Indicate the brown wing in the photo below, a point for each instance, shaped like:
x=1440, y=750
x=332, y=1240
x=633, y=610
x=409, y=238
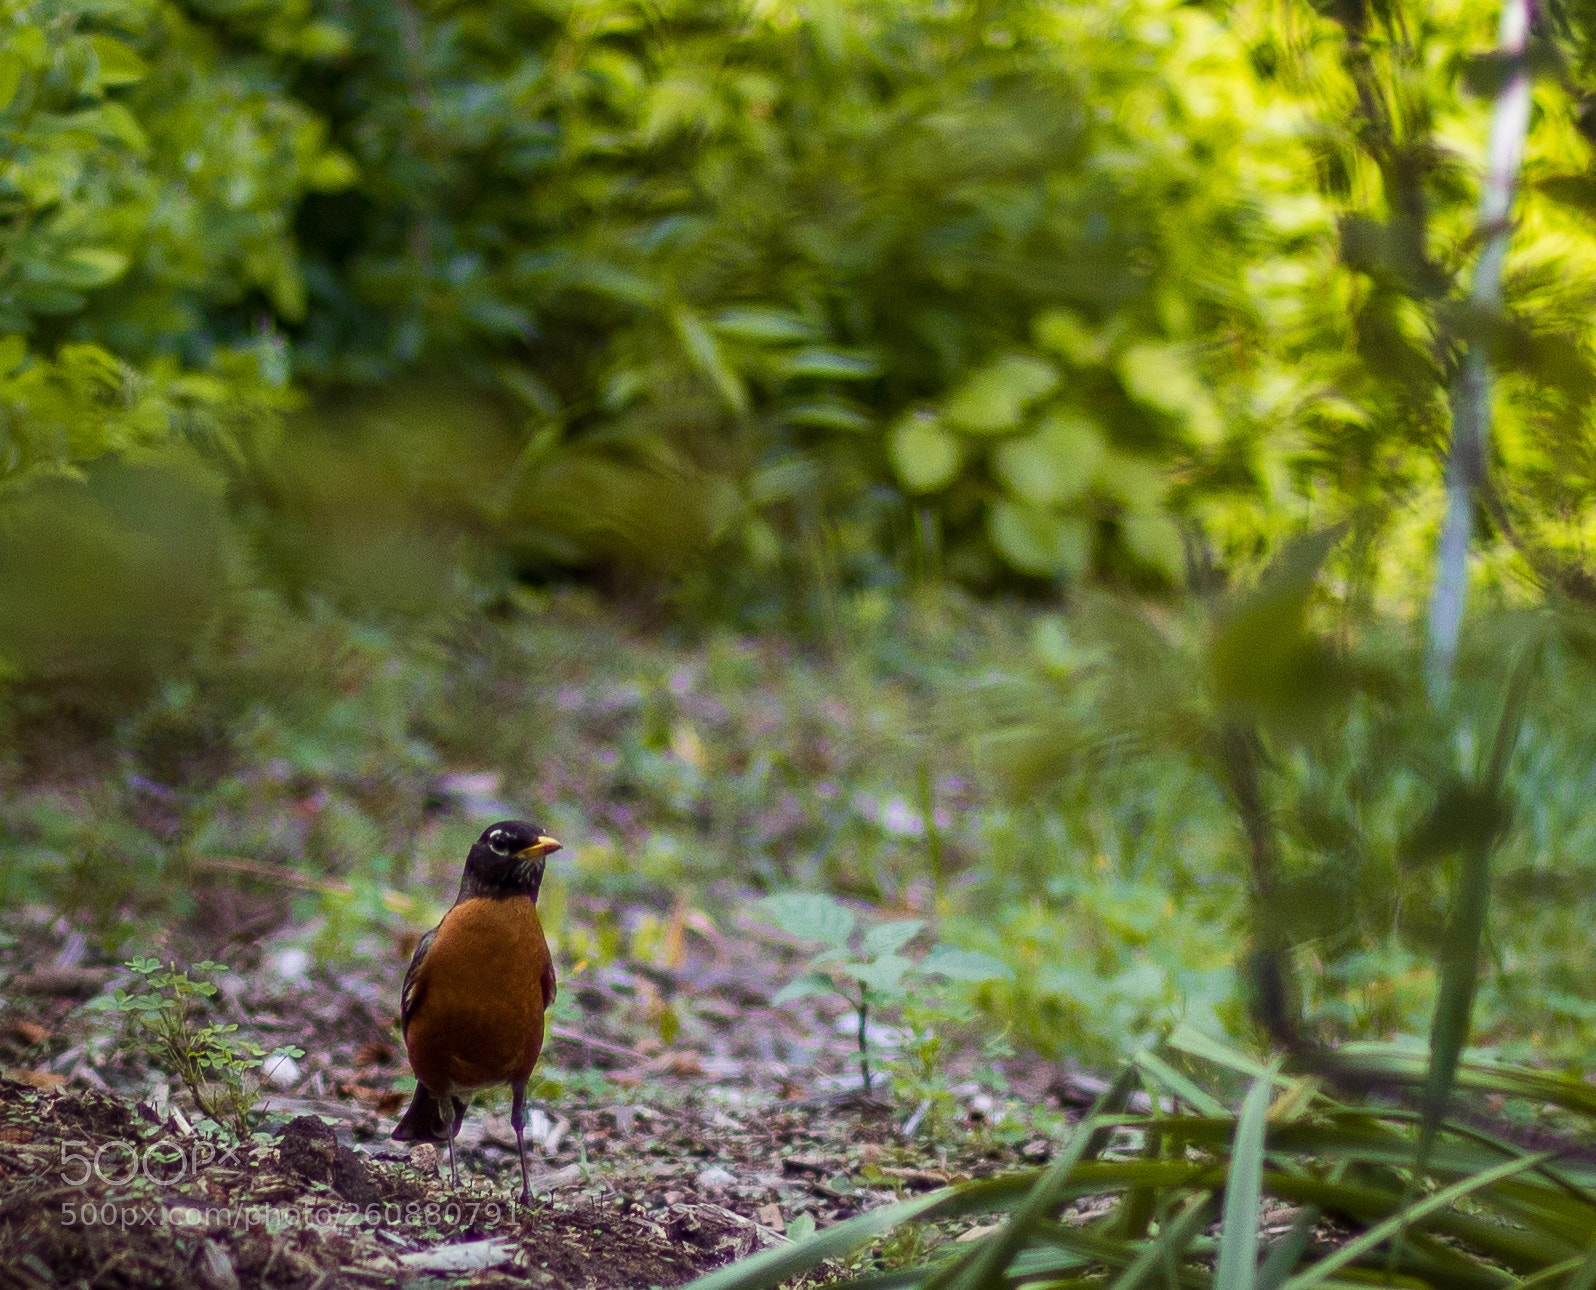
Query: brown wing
x=548, y=983
x=411, y=991
x=546, y=977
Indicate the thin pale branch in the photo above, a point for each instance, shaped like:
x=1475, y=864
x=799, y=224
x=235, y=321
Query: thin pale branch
x=1471, y=389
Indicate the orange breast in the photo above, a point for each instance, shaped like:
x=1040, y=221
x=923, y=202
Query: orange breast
x=478, y=1018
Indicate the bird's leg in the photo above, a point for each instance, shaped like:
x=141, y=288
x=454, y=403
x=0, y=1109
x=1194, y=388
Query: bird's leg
x=454, y=1111
x=518, y=1122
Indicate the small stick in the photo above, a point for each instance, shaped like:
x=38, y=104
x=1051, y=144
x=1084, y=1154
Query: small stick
x=270, y=873
x=570, y=1036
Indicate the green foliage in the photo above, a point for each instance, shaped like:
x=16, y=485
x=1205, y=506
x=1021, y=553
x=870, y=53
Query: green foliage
x=1356, y=826
x=148, y=184
x=713, y=257
x=167, y=1013
x=777, y=308
x=737, y=279
x=869, y=971
x=1481, y=1212
x=752, y=298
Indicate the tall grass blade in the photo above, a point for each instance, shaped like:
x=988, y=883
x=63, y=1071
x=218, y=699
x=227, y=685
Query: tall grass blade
x=1170, y=1244
x=1185, y=1089
x=1460, y=949
x=1238, y=1246
x=1585, y=1277
x=1384, y=1231
x=1392, y=1064
x=986, y=1266
x=772, y=1267
x=1197, y=1044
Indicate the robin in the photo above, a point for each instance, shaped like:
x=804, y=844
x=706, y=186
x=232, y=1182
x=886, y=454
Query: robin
x=477, y=989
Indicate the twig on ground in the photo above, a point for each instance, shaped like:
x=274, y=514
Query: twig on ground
x=280, y=874
x=569, y=1036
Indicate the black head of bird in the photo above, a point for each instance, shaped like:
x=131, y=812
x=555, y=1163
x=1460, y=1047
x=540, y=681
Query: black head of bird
x=507, y=860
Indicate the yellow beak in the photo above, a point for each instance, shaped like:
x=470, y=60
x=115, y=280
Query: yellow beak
x=542, y=847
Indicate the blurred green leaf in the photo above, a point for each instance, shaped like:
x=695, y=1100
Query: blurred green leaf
x=1054, y=465
x=11, y=70
x=772, y=326
x=884, y=974
x=809, y=916
x=1464, y=815
x=925, y=456
x=1038, y=541
x=995, y=398
x=118, y=65
x=1162, y=376
x=94, y=266
x=1154, y=539
x=803, y=987
x=834, y=364
x=963, y=965
x=1238, y=1245
x=704, y=353
x=888, y=938
x=1265, y=659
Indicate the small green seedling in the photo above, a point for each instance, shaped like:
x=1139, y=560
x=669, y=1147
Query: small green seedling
x=218, y=1068
x=869, y=971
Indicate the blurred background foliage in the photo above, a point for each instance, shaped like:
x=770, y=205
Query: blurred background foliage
x=347, y=346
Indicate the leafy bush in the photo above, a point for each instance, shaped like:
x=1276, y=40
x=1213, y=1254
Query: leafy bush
x=878, y=280
x=768, y=267
x=1310, y=798
x=797, y=297
x=149, y=184
x=877, y=974
x=167, y=1012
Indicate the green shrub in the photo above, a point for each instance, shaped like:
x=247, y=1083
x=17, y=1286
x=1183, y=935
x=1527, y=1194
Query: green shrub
x=149, y=184
x=746, y=277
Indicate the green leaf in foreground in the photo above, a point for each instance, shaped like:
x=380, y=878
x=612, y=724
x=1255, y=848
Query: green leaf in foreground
x=1170, y=1244
x=809, y=916
x=772, y=1267
x=1238, y=1247
x=1384, y=1231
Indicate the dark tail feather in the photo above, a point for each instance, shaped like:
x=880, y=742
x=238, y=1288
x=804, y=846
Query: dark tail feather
x=423, y=1121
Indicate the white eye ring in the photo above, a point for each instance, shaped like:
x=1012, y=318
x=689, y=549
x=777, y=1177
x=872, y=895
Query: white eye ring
x=497, y=843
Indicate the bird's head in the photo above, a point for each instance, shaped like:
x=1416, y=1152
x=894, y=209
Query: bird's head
x=507, y=860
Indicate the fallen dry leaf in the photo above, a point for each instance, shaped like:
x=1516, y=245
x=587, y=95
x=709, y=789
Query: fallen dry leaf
x=677, y=1061
x=44, y=1081
x=385, y=1101
x=29, y=1032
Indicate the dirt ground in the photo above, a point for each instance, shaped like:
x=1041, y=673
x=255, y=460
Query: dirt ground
x=651, y=1162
